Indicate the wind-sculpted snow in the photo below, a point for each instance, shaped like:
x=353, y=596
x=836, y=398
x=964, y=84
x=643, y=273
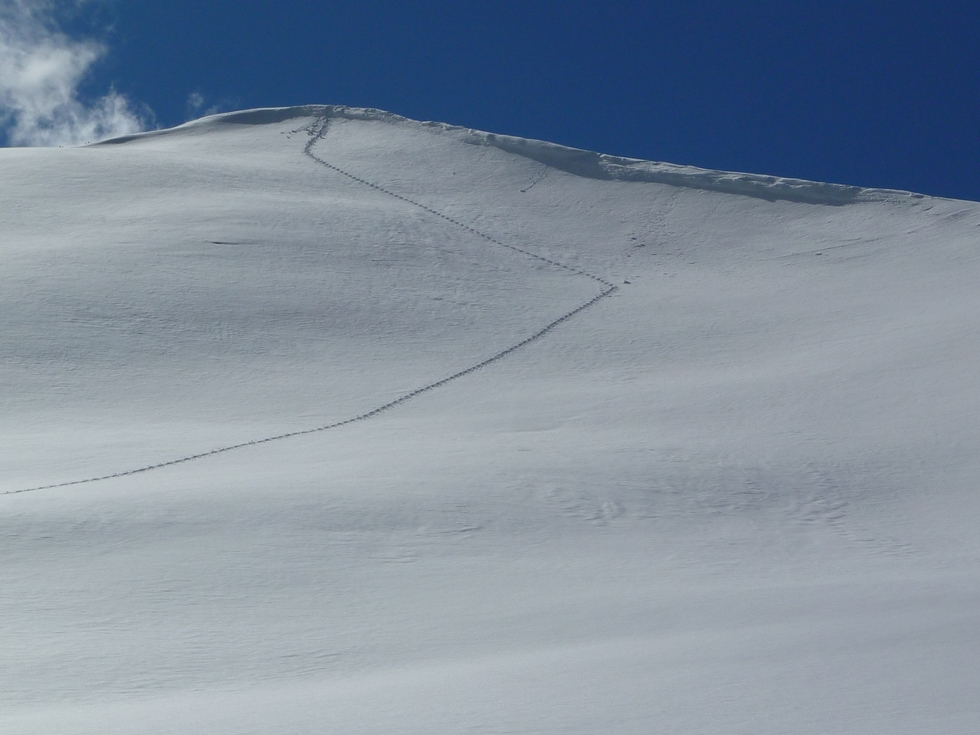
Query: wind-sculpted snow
x=600, y=166
x=452, y=432
x=573, y=160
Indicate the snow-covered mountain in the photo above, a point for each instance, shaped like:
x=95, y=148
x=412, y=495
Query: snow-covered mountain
x=325, y=420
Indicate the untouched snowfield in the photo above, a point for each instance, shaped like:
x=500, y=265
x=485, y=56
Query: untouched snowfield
x=734, y=491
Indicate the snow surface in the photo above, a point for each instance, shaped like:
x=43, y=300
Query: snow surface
x=734, y=491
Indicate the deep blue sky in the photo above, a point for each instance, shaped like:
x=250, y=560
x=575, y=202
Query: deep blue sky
x=870, y=93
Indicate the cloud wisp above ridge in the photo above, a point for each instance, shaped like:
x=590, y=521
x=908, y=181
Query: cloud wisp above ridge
x=41, y=71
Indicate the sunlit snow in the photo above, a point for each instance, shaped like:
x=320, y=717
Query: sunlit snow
x=511, y=438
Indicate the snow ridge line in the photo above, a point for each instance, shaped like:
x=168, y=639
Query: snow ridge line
x=316, y=133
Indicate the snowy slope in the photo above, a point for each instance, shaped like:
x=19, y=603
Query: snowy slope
x=679, y=450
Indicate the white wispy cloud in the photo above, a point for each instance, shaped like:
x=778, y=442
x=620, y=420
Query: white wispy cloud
x=200, y=106
x=41, y=70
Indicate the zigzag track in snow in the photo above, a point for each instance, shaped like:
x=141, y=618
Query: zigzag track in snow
x=316, y=132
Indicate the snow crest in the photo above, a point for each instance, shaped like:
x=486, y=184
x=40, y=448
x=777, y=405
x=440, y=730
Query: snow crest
x=577, y=161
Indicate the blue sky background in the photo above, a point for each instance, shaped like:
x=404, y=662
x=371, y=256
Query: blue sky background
x=869, y=93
